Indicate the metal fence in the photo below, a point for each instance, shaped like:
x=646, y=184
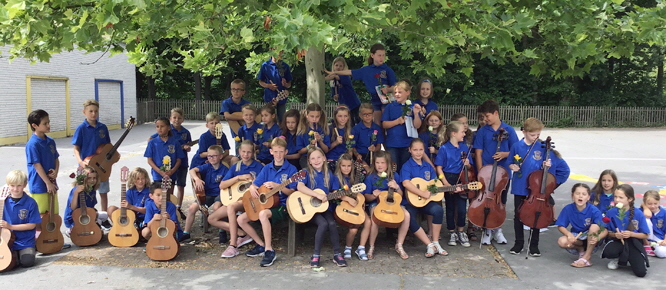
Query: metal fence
x=552, y=116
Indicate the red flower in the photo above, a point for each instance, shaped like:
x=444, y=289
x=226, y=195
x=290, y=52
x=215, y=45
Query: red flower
x=376, y=76
x=606, y=219
x=72, y=175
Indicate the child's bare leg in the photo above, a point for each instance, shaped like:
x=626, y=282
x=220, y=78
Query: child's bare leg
x=365, y=233
x=351, y=234
x=244, y=223
x=264, y=218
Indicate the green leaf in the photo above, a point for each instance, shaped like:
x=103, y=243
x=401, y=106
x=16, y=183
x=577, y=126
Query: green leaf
x=247, y=34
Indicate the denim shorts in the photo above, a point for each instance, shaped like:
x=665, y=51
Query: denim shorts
x=104, y=187
x=181, y=176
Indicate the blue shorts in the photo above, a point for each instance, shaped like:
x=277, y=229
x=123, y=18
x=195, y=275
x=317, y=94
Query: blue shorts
x=181, y=176
x=104, y=187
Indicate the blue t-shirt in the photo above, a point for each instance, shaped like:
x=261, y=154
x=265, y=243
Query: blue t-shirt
x=183, y=136
x=429, y=139
x=411, y=169
x=152, y=209
x=333, y=184
x=335, y=152
x=266, y=136
x=91, y=201
x=371, y=183
x=604, y=201
x=229, y=106
x=430, y=106
x=292, y=143
x=639, y=221
x=580, y=221
x=363, y=136
x=659, y=223
x=249, y=133
x=532, y=162
x=270, y=71
x=449, y=157
x=23, y=211
x=206, y=140
x=368, y=73
x=269, y=173
x=485, y=140
x=157, y=149
x=138, y=199
x=212, y=177
x=562, y=170
x=240, y=168
x=303, y=140
x=42, y=151
x=397, y=135
x=346, y=93
x=88, y=138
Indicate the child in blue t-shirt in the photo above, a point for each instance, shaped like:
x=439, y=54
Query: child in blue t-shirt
x=341, y=136
x=431, y=128
x=154, y=212
x=89, y=190
x=268, y=130
x=232, y=108
x=655, y=214
x=368, y=136
x=138, y=183
x=342, y=89
x=426, y=91
x=21, y=215
x=161, y=152
x=208, y=139
x=43, y=162
x=602, y=192
x=275, y=77
x=312, y=131
x=396, y=117
x=289, y=131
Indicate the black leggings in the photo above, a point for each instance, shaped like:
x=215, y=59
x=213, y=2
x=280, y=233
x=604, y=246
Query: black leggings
x=518, y=225
x=326, y=221
x=627, y=253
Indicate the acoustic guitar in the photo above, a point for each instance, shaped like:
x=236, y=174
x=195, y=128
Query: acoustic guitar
x=107, y=155
x=420, y=183
x=200, y=199
x=85, y=231
x=7, y=259
x=163, y=245
x=50, y=240
x=302, y=207
x=347, y=215
x=388, y=212
x=235, y=192
x=235, y=125
x=268, y=198
x=123, y=233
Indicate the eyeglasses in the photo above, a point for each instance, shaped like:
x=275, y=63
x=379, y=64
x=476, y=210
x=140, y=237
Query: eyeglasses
x=237, y=90
x=213, y=156
x=366, y=114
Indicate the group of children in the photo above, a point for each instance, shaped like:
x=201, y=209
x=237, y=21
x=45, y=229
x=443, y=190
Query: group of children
x=385, y=145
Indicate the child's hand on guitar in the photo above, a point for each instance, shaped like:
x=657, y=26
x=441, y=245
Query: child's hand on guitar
x=376, y=192
x=51, y=188
x=199, y=184
x=157, y=217
x=245, y=177
x=394, y=185
x=253, y=191
x=339, y=139
x=321, y=197
x=372, y=148
x=165, y=215
x=458, y=189
x=83, y=163
x=353, y=202
x=6, y=225
x=284, y=82
x=271, y=86
x=187, y=148
x=53, y=174
x=271, y=184
x=124, y=204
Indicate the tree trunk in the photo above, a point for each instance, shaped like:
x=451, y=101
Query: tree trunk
x=207, y=84
x=314, y=64
x=660, y=73
x=197, y=86
x=151, y=88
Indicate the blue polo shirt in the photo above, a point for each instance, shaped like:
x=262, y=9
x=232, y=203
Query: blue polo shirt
x=229, y=106
x=367, y=75
x=532, y=162
x=411, y=169
x=240, y=168
x=363, y=136
x=333, y=184
x=42, y=151
x=248, y=133
x=604, y=201
x=396, y=135
x=138, y=198
x=430, y=106
x=206, y=140
x=212, y=177
x=270, y=71
x=269, y=173
x=335, y=152
x=484, y=140
x=370, y=185
x=292, y=143
x=23, y=211
x=639, y=221
x=346, y=93
x=580, y=221
x=429, y=139
x=659, y=223
x=91, y=201
x=152, y=210
x=88, y=137
x=449, y=157
x=303, y=140
x=157, y=149
x=183, y=136
x=267, y=136
x=562, y=170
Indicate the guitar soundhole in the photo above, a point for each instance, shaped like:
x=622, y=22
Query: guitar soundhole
x=243, y=187
x=123, y=221
x=315, y=202
x=162, y=232
x=262, y=198
x=84, y=219
x=50, y=227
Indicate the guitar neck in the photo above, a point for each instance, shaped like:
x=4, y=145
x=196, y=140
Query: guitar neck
x=337, y=194
x=51, y=206
x=110, y=154
x=82, y=202
x=279, y=188
x=123, y=197
x=451, y=188
x=163, y=210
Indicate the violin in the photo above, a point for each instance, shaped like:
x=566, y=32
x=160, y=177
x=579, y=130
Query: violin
x=536, y=211
x=466, y=176
x=486, y=209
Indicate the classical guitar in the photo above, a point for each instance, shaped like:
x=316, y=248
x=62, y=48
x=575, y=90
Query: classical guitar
x=348, y=215
x=85, y=231
x=7, y=260
x=268, y=198
x=235, y=192
x=123, y=233
x=50, y=240
x=200, y=199
x=420, y=183
x=107, y=155
x=302, y=207
x=163, y=245
x=388, y=212
x=218, y=134
x=281, y=95
x=235, y=125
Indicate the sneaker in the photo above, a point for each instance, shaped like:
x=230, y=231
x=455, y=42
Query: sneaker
x=360, y=253
x=612, y=264
x=485, y=237
x=68, y=232
x=339, y=260
x=314, y=261
x=534, y=251
x=66, y=246
x=650, y=253
x=269, y=258
x=462, y=238
x=453, y=240
x=517, y=248
x=106, y=225
x=244, y=240
x=257, y=251
x=230, y=252
x=552, y=225
x=184, y=237
x=223, y=237
x=347, y=252
x=498, y=236
x=180, y=212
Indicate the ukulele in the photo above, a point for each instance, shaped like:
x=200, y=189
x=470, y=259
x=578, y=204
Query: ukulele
x=420, y=183
x=163, y=245
x=50, y=240
x=107, y=155
x=302, y=207
x=85, y=231
x=7, y=259
x=347, y=215
x=388, y=212
x=235, y=192
x=123, y=233
x=268, y=198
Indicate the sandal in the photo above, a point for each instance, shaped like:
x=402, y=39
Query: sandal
x=581, y=263
x=440, y=250
x=431, y=250
x=401, y=251
x=472, y=236
x=371, y=252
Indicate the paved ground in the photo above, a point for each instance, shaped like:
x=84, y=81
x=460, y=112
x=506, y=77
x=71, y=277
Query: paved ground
x=633, y=153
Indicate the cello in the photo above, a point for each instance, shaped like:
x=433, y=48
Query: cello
x=536, y=211
x=486, y=209
x=467, y=175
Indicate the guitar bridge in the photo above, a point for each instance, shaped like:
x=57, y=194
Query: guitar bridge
x=51, y=241
x=90, y=233
x=389, y=212
x=123, y=235
x=161, y=247
x=100, y=167
x=350, y=212
x=300, y=203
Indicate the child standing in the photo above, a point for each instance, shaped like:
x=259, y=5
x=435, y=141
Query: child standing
x=426, y=92
x=87, y=137
x=584, y=218
x=626, y=228
x=154, y=212
x=208, y=139
x=138, y=183
x=346, y=174
x=656, y=215
x=312, y=132
x=269, y=130
x=340, y=133
x=89, y=188
x=368, y=136
x=395, y=121
x=43, y=162
x=21, y=215
x=289, y=131
x=232, y=108
x=342, y=89
x=429, y=133
x=602, y=192
x=275, y=76
x=161, y=152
